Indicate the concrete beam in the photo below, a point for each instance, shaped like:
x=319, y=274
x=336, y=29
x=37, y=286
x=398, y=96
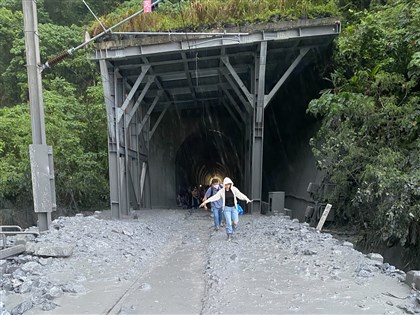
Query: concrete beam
x=104, y=51
x=11, y=251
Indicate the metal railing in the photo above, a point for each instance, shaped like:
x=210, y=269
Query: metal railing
x=11, y=230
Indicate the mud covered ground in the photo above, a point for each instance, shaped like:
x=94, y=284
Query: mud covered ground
x=172, y=261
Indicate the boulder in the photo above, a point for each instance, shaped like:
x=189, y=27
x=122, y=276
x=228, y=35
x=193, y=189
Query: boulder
x=46, y=250
x=348, y=244
x=411, y=277
x=376, y=257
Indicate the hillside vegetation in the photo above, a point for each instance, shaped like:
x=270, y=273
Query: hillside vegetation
x=369, y=140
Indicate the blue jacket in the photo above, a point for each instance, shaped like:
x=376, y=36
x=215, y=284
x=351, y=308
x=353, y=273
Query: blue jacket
x=211, y=191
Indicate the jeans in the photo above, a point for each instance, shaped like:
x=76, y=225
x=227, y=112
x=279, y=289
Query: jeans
x=217, y=215
x=231, y=215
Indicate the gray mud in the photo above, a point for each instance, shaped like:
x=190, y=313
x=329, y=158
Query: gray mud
x=171, y=261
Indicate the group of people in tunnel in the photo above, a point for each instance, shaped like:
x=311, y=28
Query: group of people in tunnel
x=224, y=203
x=191, y=198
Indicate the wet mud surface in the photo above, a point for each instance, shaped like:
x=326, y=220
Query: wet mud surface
x=174, y=262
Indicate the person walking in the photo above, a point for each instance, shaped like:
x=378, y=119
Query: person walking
x=195, y=198
x=229, y=196
x=216, y=206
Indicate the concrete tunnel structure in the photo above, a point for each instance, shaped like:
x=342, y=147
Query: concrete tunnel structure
x=184, y=108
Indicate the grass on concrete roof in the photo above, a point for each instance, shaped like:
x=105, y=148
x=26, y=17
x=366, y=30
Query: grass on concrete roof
x=196, y=15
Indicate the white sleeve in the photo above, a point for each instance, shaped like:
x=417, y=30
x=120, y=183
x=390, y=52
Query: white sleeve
x=240, y=195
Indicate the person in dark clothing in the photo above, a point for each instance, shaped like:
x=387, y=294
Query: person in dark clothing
x=216, y=206
x=229, y=195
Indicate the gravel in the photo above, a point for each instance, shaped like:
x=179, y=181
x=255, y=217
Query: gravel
x=272, y=265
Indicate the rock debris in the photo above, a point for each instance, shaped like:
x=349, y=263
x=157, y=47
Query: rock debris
x=272, y=265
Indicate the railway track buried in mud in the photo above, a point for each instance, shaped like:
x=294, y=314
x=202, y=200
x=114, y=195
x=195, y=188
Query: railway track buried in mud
x=176, y=283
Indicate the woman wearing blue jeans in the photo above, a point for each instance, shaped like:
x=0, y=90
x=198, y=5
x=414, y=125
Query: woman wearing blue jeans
x=229, y=195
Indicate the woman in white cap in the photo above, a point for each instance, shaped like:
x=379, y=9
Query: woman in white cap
x=229, y=196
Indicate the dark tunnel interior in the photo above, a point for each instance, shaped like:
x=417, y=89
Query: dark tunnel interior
x=205, y=155
x=213, y=149
x=288, y=163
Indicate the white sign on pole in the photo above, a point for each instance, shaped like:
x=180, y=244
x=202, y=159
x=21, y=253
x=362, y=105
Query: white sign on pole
x=324, y=217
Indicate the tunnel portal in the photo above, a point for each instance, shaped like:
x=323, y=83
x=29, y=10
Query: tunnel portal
x=205, y=156
x=183, y=108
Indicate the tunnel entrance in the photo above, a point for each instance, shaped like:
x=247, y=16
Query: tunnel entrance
x=206, y=155
x=154, y=85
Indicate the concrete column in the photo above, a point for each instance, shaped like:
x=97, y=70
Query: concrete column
x=114, y=181
x=258, y=129
x=121, y=142
x=43, y=202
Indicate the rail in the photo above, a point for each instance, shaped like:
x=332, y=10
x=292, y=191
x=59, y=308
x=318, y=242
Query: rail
x=13, y=230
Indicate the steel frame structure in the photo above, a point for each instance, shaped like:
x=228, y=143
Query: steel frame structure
x=144, y=75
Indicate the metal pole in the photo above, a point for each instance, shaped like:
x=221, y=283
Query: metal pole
x=34, y=76
x=35, y=97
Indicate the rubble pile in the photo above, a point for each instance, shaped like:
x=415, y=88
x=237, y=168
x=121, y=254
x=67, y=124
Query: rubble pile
x=272, y=265
x=74, y=251
x=283, y=266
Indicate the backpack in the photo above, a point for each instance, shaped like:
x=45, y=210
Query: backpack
x=212, y=190
x=240, y=210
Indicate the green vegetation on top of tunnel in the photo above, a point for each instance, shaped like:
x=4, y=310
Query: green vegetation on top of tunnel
x=207, y=14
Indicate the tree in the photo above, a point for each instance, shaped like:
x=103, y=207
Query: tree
x=53, y=40
x=76, y=130
x=11, y=26
x=369, y=141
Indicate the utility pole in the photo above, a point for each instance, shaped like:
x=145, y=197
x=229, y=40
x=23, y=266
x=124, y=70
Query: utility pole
x=42, y=168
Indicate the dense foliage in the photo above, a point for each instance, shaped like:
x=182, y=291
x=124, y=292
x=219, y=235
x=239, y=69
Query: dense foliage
x=369, y=141
x=74, y=111
x=200, y=14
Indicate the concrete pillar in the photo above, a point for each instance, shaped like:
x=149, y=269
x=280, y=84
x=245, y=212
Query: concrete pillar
x=258, y=129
